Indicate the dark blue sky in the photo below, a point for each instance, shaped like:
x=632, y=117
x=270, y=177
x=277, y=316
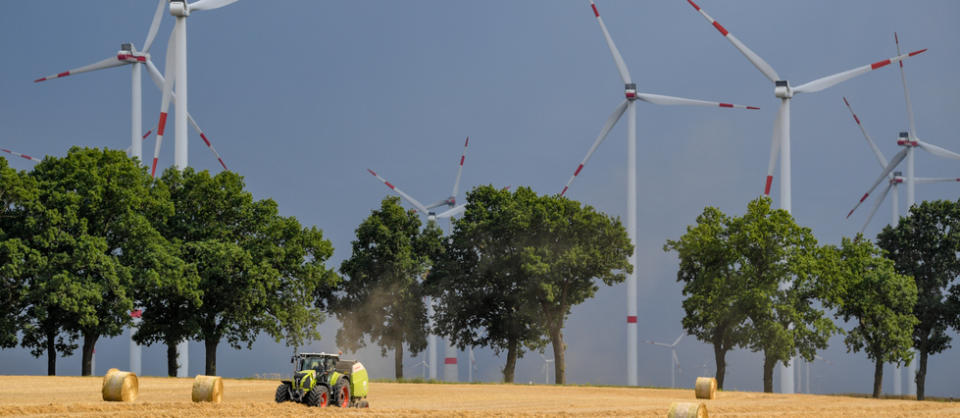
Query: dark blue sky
x=301, y=97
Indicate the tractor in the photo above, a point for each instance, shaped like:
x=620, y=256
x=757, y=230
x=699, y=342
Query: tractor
x=321, y=379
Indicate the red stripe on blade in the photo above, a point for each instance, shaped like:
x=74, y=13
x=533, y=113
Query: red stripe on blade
x=450, y=360
x=147, y=134
x=766, y=189
x=153, y=170
x=163, y=123
x=917, y=52
x=222, y=164
x=388, y=184
x=846, y=102
x=63, y=74
x=595, y=12
x=726, y=105
x=579, y=167
x=879, y=64
x=40, y=79
x=720, y=28
x=753, y=108
x=26, y=157
x=467, y=142
x=564, y=190
x=204, y=138
x=864, y=197
x=461, y=160
x=856, y=118
x=631, y=319
x=694, y=5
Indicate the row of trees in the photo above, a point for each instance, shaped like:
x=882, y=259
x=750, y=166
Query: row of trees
x=762, y=282
x=506, y=278
x=89, y=238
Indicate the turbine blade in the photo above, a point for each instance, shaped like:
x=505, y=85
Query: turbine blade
x=167, y=96
x=883, y=175
x=154, y=25
x=99, y=65
x=457, y=210
x=206, y=141
x=906, y=91
x=754, y=59
x=876, y=205
x=412, y=201
x=938, y=151
x=671, y=101
x=210, y=4
x=831, y=80
x=611, y=121
x=928, y=180
x=774, y=148
x=873, y=145
x=617, y=58
x=456, y=183
x=24, y=156
x=677, y=341
x=438, y=203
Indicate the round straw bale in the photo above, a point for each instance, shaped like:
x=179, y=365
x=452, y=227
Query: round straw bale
x=706, y=388
x=687, y=410
x=120, y=386
x=207, y=389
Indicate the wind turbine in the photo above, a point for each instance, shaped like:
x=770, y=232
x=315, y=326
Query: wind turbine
x=129, y=55
x=24, y=156
x=781, y=132
x=674, y=360
x=450, y=358
x=176, y=68
x=627, y=106
x=546, y=369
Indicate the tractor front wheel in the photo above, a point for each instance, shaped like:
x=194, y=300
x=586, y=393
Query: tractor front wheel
x=283, y=393
x=318, y=396
x=342, y=393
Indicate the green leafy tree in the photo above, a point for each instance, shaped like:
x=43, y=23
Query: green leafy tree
x=712, y=284
x=479, y=281
x=382, y=296
x=926, y=246
x=881, y=301
x=15, y=257
x=783, y=278
x=91, y=205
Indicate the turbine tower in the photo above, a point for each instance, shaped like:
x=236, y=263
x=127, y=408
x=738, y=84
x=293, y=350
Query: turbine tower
x=780, y=145
x=627, y=106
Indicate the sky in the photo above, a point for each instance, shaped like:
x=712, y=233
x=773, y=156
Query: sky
x=301, y=97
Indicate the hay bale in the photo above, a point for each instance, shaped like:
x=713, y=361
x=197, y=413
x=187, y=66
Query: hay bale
x=687, y=410
x=207, y=389
x=706, y=388
x=119, y=386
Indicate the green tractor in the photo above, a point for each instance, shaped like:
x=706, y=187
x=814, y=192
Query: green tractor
x=320, y=379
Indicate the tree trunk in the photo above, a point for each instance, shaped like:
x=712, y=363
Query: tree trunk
x=510, y=368
x=89, y=343
x=921, y=374
x=560, y=368
x=210, y=352
x=720, y=357
x=398, y=361
x=768, y=364
x=172, y=359
x=51, y=353
x=877, y=379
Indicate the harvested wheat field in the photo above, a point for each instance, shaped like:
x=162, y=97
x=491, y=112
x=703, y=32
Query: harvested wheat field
x=160, y=396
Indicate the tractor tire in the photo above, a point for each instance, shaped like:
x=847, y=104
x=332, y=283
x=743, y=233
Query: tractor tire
x=341, y=393
x=318, y=396
x=283, y=393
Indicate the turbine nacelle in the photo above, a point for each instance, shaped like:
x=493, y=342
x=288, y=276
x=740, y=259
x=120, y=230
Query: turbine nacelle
x=630, y=91
x=897, y=177
x=782, y=89
x=179, y=8
x=904, y=140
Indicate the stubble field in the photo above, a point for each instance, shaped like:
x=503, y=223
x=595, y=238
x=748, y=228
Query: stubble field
x=159, y=396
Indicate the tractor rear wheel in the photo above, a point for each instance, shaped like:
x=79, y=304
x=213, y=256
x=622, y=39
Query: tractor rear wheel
x=283, y=393
x=342, y=393
x=318, y=396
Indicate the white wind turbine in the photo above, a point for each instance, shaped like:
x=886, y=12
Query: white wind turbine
x=24, y=156
x=674, y=360
x=129, y=55
x=546, y=369
x=781, y=126
x=176, y=74
x=450, y=357
x=627, y=106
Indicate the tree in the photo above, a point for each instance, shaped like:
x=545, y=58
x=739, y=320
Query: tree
x=926, y=246
x=90, y=206
x=715, y=311
x=381, y=295
x=479, y=283
x=15, y=257
x=257, y=271
x=882, y=303
x=783, y=277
